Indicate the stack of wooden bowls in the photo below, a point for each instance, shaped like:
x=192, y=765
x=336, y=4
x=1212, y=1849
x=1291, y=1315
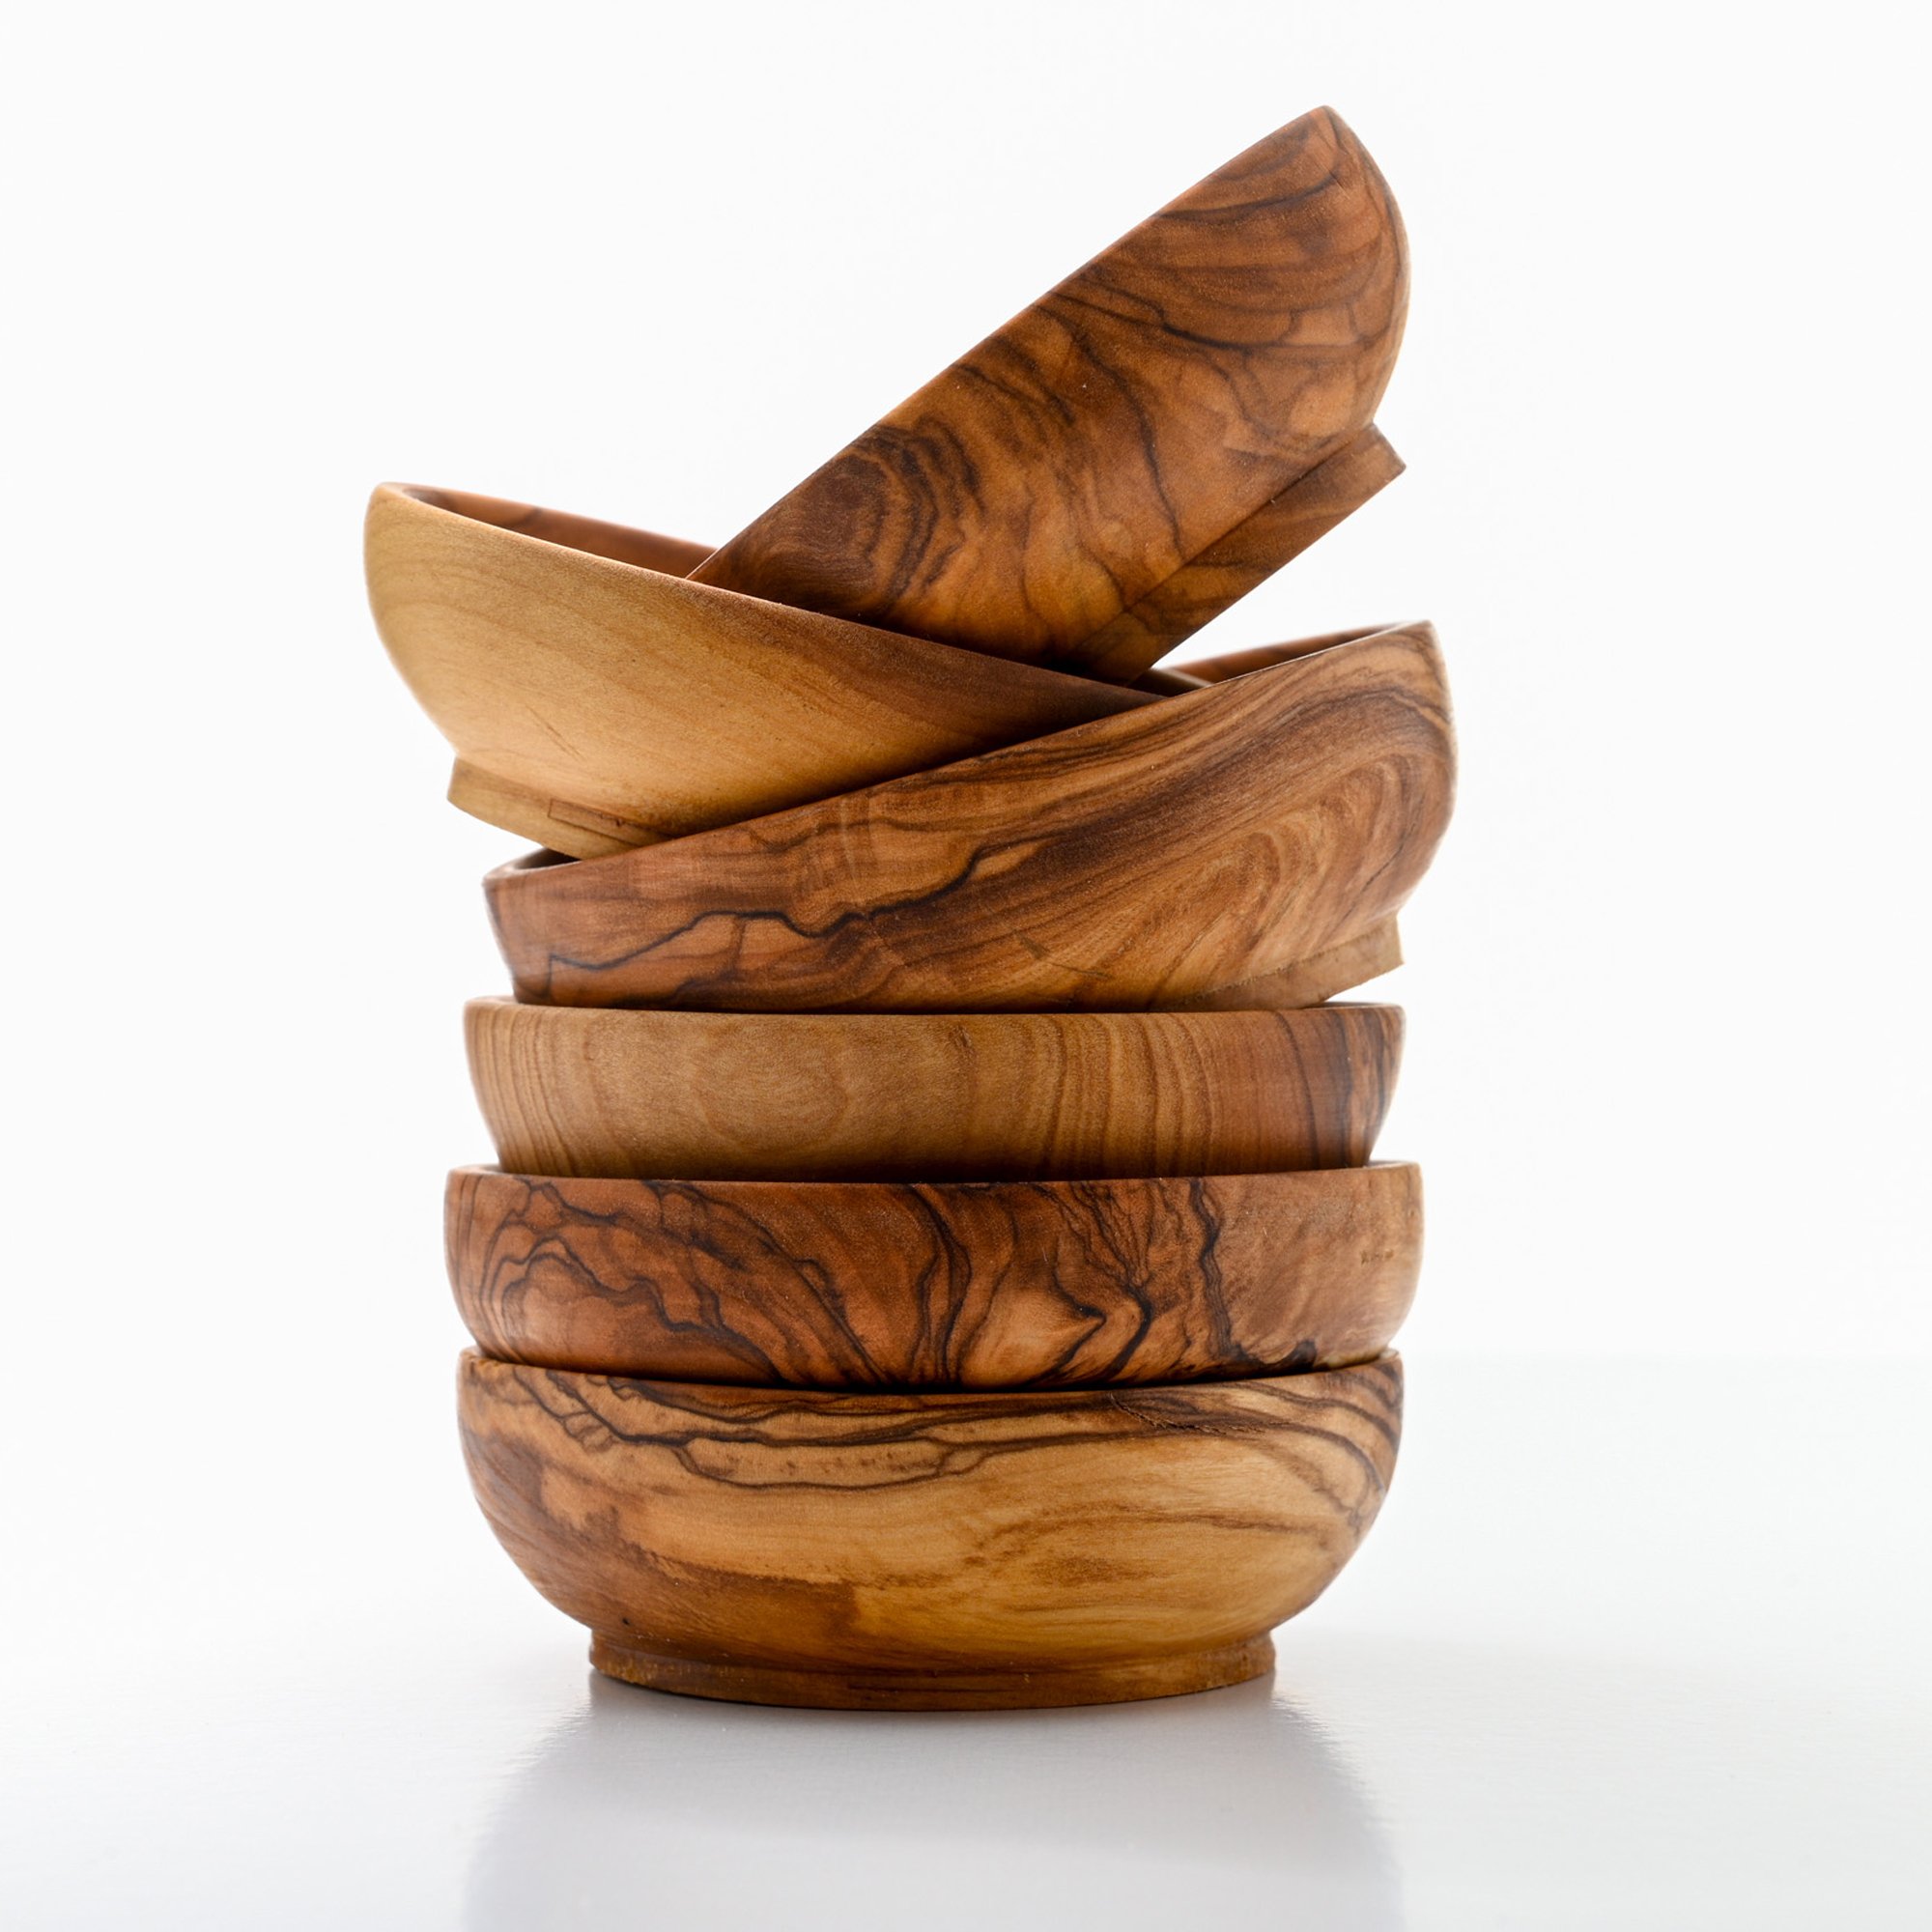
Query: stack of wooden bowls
x=935, y=1258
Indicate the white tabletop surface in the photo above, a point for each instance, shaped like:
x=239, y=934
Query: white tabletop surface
x=1632, y=1645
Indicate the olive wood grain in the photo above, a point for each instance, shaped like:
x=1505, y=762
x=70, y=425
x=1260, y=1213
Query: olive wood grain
x=1140, y=860
x=929, y=1551
x=598, y=700
x=1252, y=551
x=929, y=1096
x=1117, y=431
x=894, y=1285
x=1341, y=969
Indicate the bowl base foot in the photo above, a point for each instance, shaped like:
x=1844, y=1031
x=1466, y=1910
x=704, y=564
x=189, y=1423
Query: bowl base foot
x=937, y=1690
x=581, y=831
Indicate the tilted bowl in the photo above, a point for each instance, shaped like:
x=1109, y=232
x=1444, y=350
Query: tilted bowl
x=929, y=1096
x=1200, y=843
x=925, y=1550
x=597, y=698
x=931, y=1285
x=1037, y=497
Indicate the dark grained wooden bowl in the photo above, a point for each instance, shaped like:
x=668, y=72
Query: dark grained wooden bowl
x=1216, y=579
x=991, y=1285
x=597, y=698
x=930, y=1096
x=1205, y=841
x=1145, y=420
x=930, y=1551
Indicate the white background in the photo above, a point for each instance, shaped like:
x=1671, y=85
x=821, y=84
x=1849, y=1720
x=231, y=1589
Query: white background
x=1662, y=405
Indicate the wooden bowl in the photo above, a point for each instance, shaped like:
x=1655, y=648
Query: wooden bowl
x=837, y=1285
x=930, y=1096
x=1219, y=576
x=930, y=1551
x=597, y=698
x=1139, y=861
x=1033, y=500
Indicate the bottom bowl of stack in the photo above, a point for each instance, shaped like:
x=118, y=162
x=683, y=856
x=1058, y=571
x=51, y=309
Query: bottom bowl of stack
x=929, y=1551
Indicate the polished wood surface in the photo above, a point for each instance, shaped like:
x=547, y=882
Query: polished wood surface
x=598, y=700
x=1340, y=969
x=896, y=1285
x=935, y=1096
x=1252, y=551
x=1139, y=861
x=929, y=1551
x=1119, y=429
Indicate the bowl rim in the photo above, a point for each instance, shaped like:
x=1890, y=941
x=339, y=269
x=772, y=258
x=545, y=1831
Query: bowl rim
x=1158, y=1016
x=742, y=1186
x=872, y=1402
x=427, y=497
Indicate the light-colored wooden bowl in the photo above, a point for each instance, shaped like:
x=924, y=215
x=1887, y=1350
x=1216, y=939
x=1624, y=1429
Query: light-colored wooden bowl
x=597, y=698
x=1120, y=430
x=930, y=1096
x=1140, y=860
x=930, y=1551
x=997, y=1285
